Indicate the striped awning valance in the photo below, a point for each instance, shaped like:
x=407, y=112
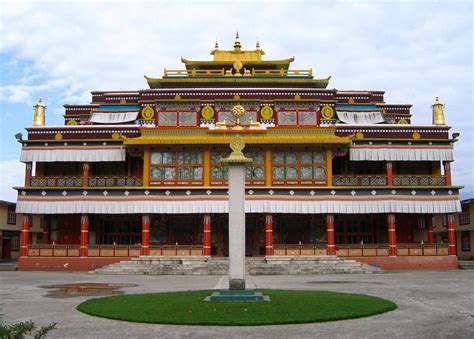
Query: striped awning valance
x=360, y=118
x=113, y=118
x=72, y=153
x=400, y=153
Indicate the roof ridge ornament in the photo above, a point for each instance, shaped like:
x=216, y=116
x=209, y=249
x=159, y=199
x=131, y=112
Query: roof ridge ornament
x=237, y=45
x=438, y=113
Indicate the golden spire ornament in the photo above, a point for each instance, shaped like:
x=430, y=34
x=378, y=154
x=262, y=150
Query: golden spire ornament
x=438, y=113
x=39, y=113
x=237, y=45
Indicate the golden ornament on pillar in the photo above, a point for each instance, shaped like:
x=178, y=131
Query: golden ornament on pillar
x=39, y=113
x=438, y=113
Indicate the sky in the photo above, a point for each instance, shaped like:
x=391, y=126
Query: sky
x=61, y=51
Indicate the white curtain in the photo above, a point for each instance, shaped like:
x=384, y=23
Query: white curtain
x=361, y=118
x=113, y=118
x=393, y=153
x=66, y=154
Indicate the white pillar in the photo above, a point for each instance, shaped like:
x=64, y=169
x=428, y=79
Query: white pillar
x=236, y=226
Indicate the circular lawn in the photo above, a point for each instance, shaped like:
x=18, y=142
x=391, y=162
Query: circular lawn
x=189, y=308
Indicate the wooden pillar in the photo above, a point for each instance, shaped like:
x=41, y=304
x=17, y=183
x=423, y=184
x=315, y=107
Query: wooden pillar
x=146, y=167
x=392, y=238
x=451, y=234
x=389, y=170
x=207, y=168
x=268, y=234
x=28, y=169
x=84, y=235
x=447, y=172
x=329, y=168
x=268, y=168
x=331, y=246
x=430, y=229
x=85, y=174
x=45, y=224
x=206, y=236
x=145, y=234
x=25, y=234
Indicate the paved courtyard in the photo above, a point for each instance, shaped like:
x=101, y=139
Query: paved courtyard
x=431, y=304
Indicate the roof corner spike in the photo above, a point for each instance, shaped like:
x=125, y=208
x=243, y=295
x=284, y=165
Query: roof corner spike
x=438, y=113
x=237, y=44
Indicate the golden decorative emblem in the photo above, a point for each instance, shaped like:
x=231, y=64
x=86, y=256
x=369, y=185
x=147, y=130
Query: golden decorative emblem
x=237, y=144
x=359, y=135
x=236, y=97
x=297, y=97
x=207, y=112
x=148, y=113
x=123, y=101
x=416, y=136
x=58, y=136
x=177, y=97
x=72, y=122
x=238, y=65
x=327, y=112
x=238, y=111
x=403, y=121
x=266, y=112
x=115, y=136
x=351, y=100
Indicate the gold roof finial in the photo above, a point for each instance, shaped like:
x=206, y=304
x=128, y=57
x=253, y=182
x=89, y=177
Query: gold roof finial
x=438, y=113
x=216, y=46
x=237, y=44
x=39, y=113
x=258, y=44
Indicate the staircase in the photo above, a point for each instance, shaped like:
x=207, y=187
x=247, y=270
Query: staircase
x=274, y=265
x=466, y=264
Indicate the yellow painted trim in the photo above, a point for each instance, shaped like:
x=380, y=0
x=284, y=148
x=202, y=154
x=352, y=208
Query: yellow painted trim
x=268, y=168
x=207, y=168
x=146, y=167
x=329, y=168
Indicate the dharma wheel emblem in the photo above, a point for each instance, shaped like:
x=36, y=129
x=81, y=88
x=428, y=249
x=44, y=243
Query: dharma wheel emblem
x=238, y=111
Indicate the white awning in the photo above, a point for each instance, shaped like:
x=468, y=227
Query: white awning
x=361, y=118
x=400, y=153
x=73, y=153
x=113, y=118
x=322, y=206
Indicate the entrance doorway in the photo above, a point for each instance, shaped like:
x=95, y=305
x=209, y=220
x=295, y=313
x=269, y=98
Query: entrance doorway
x=6, y=248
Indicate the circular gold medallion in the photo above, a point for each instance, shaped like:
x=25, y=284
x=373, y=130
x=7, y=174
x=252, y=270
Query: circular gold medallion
x=297, y=97
x=238, y=65
x=177, y=97
x=207, y=112
x=359, y=135
x=266, y=112
x=327, y=112
x=402, y=121
x=72, y=122
x=148, y=113
x=351, y=100
x=58, y=136
x=416, y=136
x=115, y=136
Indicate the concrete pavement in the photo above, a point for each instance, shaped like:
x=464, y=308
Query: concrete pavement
x=431, y=304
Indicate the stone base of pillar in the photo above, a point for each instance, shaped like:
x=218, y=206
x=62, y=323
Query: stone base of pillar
x=236, y=284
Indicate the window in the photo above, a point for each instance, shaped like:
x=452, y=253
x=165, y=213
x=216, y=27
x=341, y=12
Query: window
x=15, y=243
x=11, y=216
x=464, y=217
x=186, y=118
x=254, y=172
x=171, y=168
x=466, y=241
x=244, y=120
x=300, y=118
x=299, y=167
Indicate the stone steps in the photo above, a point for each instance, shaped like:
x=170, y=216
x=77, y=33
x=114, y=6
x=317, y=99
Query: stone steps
x=466, y=264
x=149, y=265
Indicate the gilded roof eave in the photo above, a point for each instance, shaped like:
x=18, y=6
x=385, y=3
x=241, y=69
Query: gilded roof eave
x=230, y=62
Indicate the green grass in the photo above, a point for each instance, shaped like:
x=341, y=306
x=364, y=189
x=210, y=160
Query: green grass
x=188, y=308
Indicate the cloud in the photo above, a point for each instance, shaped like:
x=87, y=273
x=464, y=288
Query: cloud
x=12, y=175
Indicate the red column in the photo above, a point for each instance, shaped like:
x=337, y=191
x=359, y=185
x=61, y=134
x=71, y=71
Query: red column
x=28, y=169
x=25, y=235
x=145, y=234
x=85, y=174
x=447, y=172
x=430, y=229
x=389, y=169
x=84, y=235
x=45, y=226
x=268, y=234
x=206, y=238
x=451, y=235
x=392, y=239
x=331, y=247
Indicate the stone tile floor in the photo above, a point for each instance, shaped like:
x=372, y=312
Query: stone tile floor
x=431, y=304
